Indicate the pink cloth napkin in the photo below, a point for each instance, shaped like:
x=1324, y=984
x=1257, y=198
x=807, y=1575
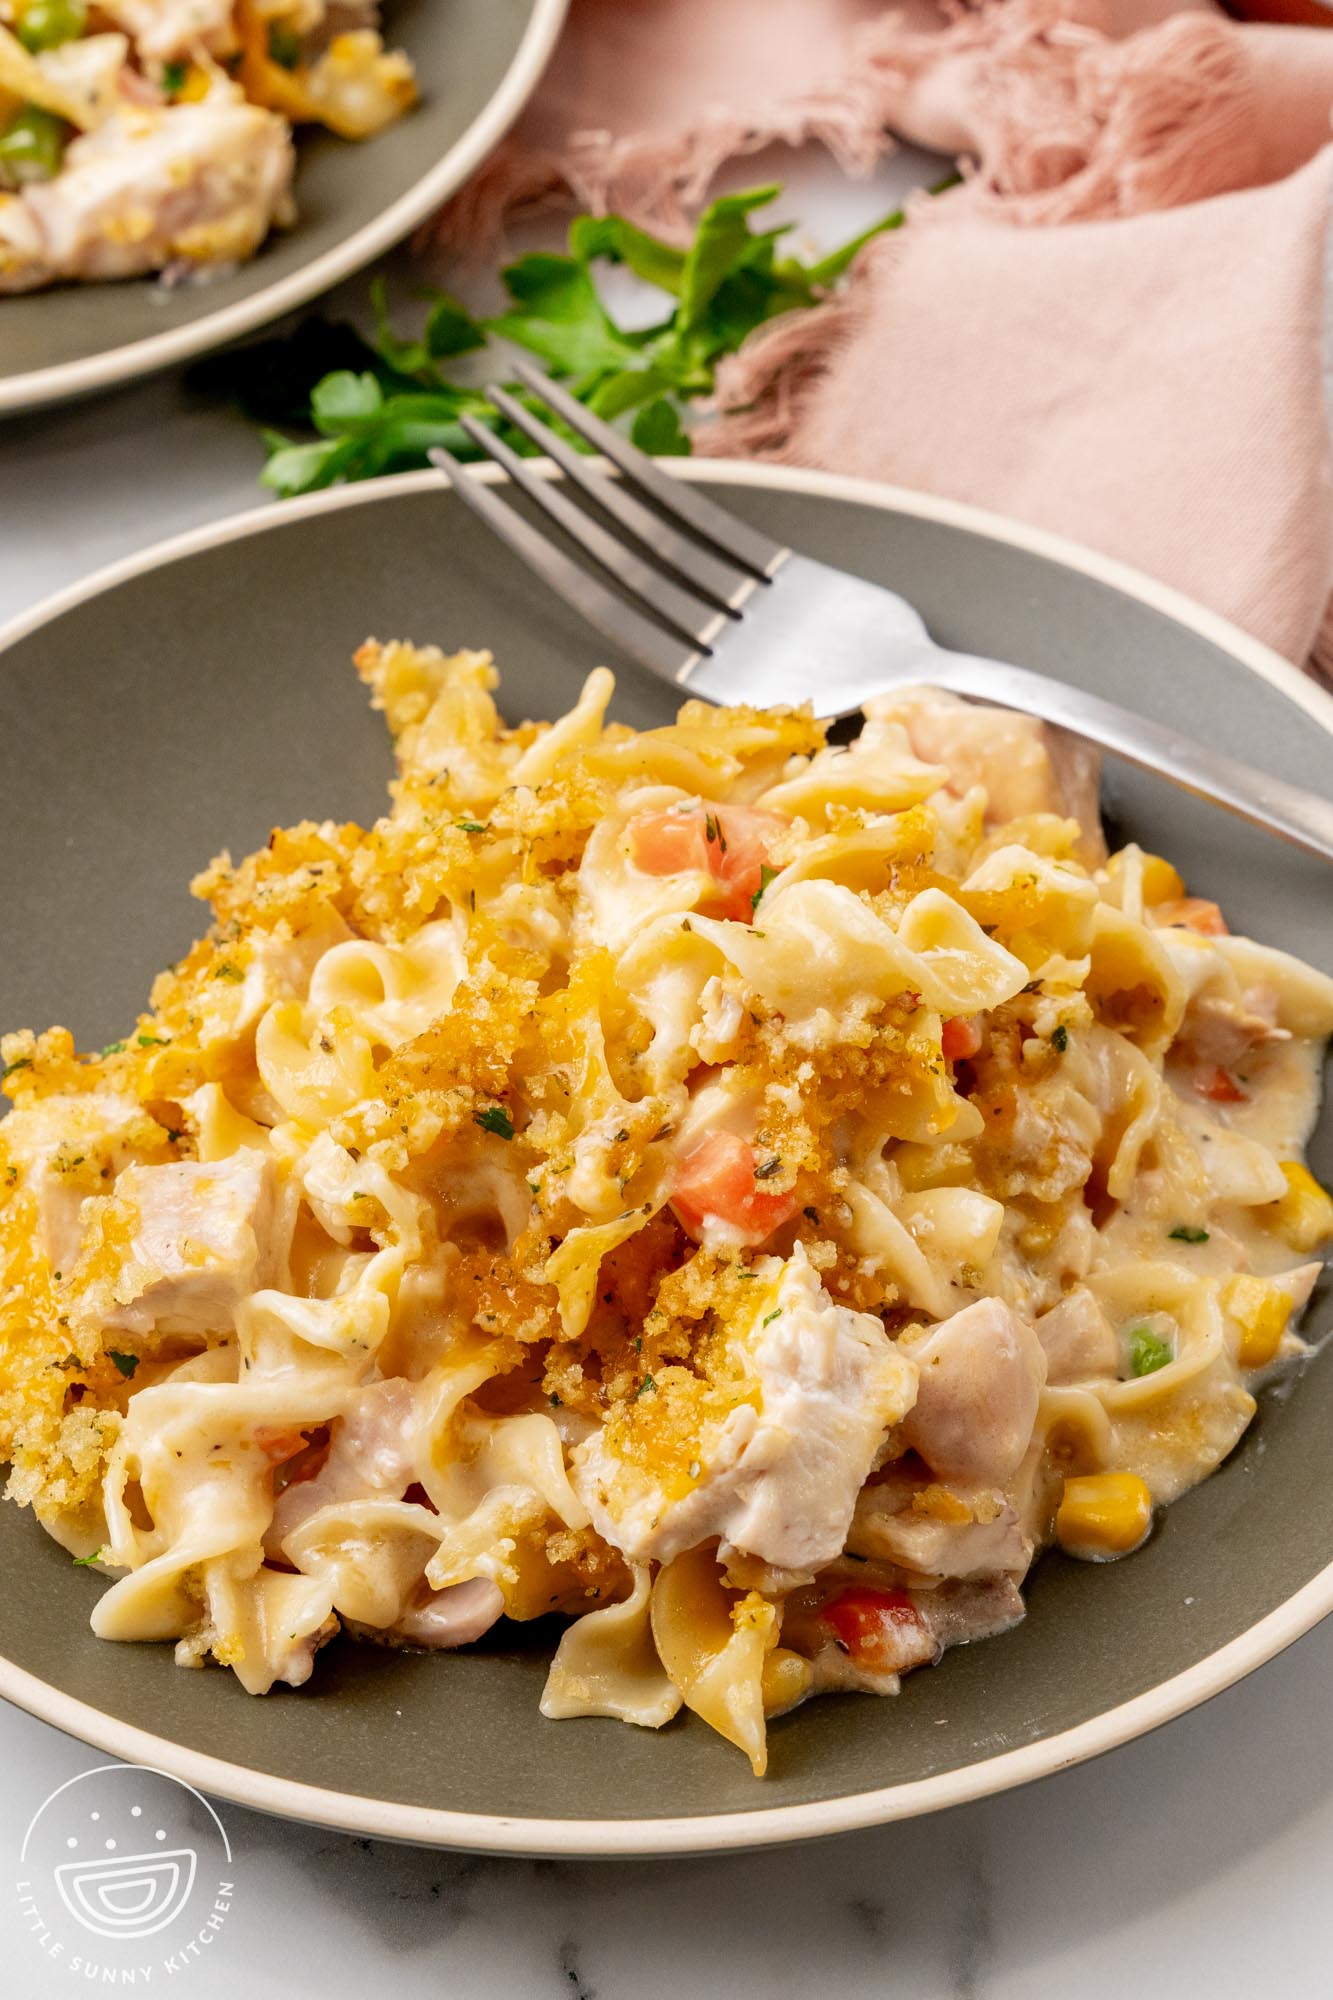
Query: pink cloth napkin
x=1113, y=328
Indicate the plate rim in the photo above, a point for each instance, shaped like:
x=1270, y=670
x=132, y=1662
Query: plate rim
x=39, y=388
x=433, y=1826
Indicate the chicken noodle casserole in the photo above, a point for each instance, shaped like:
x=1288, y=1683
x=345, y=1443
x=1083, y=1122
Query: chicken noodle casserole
x=156, y=135
x=745, y=1195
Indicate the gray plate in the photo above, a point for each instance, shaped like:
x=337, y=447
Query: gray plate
x=476, y=61
x=190, y=705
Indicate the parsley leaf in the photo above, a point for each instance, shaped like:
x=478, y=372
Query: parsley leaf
x=495, y=1119
x=379, y=403
x=1060, y=1038
x=127, y=1363
x=1183, y=1233
x=97, y=1556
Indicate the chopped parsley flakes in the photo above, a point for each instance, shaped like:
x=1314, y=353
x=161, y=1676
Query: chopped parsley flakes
x=766, y=875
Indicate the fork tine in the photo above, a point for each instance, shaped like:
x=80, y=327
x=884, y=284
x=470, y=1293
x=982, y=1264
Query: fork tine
x=736, y=539
x=720, y=582
x=688, y=616
x=614, y=619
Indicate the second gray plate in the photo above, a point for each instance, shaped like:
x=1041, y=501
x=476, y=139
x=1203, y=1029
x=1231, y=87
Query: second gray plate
x=477, y=61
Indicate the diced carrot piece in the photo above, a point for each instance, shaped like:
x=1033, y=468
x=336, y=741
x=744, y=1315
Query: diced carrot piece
x=667, y=843
x=1192, y=913
x=728, y=843
x=881, y=1629
x=1219, y=1086
x=717, y=1179
x=278, y=1445
x=960, y=1037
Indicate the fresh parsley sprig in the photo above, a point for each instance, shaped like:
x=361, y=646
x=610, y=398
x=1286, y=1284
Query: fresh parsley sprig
x=377, y=406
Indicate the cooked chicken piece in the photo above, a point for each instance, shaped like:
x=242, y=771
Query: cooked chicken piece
x=980, y=1376
x=958, y=1531
x=1223, y=1031
x=87, y=78
x=163, y=30
x=187, y=1242
x=1079, y=1340
x=1025, y=765
x=457, y=1616
x=68, y=1148
x=778, y=1480
x=370, y=1457
x=961, y=1612
x=185, y=186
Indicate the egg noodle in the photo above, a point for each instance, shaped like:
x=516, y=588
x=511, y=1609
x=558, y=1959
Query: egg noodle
x=743, y=1194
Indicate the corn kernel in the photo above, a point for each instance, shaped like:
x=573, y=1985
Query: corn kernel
x=1303, y=1218
x=1159, y=880
x=1261, y=1311
x=195, y=87
x=1103, y=1514
x=785, y=1680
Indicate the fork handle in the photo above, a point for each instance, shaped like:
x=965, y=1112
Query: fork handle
x=1286, y=810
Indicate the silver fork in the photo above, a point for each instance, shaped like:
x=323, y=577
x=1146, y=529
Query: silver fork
x=738, y=617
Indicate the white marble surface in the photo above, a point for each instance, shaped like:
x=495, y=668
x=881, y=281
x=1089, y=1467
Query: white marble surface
x=1194, y=1862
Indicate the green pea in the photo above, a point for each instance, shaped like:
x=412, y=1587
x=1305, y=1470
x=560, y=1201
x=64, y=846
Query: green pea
x=32, y=146
x=1148, y=1351
x=45, y=24
x=284, y=46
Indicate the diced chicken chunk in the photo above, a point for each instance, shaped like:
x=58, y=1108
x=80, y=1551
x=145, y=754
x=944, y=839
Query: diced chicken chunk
x=456, y=1616
x=188, y=185
x=163, y=30
x=964, y=1531
x=779, y=1478
x=190, y=1241
x=962, y=1612
x=1025, y=765
x=69, y=1147
x=1079, y=1340
x=370, y=1456
x=1224, y=1031
x=981, y=1375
